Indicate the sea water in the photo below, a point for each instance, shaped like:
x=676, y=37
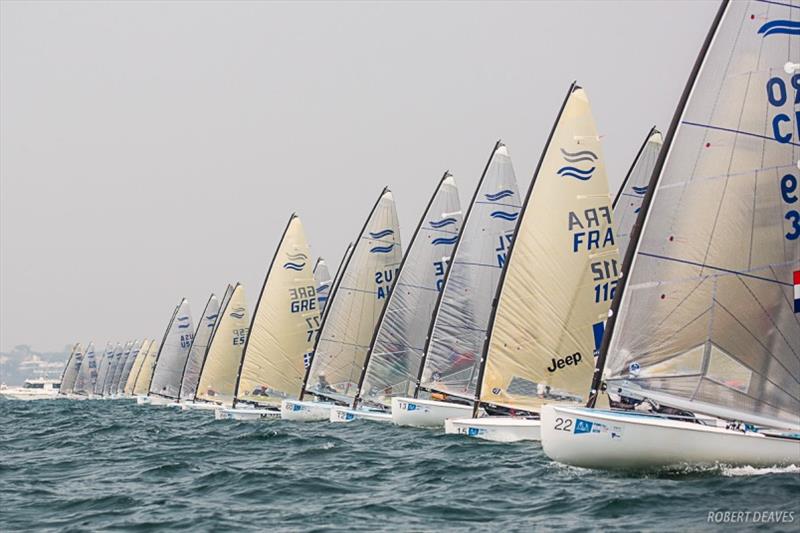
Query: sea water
x=113, y=465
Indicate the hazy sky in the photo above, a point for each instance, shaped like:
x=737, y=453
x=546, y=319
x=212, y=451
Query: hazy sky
x=153, y=150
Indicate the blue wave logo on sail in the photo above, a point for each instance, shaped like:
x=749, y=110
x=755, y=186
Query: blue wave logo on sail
x=294, y=266
x=238, y=313
x=323, y=287
x=780, y=27
x=381, y=249
x=574, y=158
x=641, y=191
x=296, y=257
x=381, y=234
x=449, y=221
x=499, y=195
x=505, y=216
x=185, y=320
x=444, y=240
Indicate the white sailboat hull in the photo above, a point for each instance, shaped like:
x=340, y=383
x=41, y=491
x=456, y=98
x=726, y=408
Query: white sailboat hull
x=245, y=413
x=160, y=401
x=199, y=406
x=495, y=428
x=426, y=413
x=609, y=440
x=305, y=411
x=143, y=400
x=346, y=414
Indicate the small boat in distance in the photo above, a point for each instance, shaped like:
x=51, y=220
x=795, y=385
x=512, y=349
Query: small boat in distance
x=41, y=388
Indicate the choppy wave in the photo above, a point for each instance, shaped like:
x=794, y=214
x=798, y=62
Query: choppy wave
x=112, y=465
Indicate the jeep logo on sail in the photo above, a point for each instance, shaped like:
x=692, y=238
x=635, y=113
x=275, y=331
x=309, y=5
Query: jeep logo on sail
x=557, y=364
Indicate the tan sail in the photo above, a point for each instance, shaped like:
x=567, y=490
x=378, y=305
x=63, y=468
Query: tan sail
x=137, y=366
x=218, y=376
x=142, y=384
x=284, y=325
x=560, y=276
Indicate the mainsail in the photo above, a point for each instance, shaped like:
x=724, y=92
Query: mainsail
x=127, y=365
x=113, y=363
x=218, y=375
x=322, y=277
x=136, y=367
x=558, y=284
x=707, y=319
x=71, y=369
x=197, y=352
x=174, y=350
x=394, y=360
x=87, y=375
x=628, y=201
x=142, y=384
x=285, y=323
x=102, y=369
x=461, y=318
x=353, y=310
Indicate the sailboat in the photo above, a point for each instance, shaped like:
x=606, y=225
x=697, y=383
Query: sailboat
x=127, y=367
x=141, y=386
x=322, y=277
x=392, y=364
x=553, y=297
x=71, y=370
x=198, y=348
x=457, y=332
x=136, y=367
x=171, y=358
x=351, y=315
x=113, y=363
x=216, y=386
x=87, y=374
x=700, y=358
x=102, y=370
x=282, y=331
x=630, y=195
x=118, y=381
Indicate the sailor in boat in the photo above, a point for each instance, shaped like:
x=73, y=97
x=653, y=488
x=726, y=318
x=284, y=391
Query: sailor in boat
x=323, y=385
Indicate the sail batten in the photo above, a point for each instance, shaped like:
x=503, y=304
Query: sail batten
x=712, y=265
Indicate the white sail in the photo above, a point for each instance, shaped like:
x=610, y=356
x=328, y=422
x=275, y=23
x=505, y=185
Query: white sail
x=457, y=338
x=355, y=307
x=136, y=367
x=631, y=193
x=102, y=368
x=396, y=355
x=71, y=369
x=218, y=375
x=199, y=348
x=707, y=320
x=557, y=288
x=284, y=325
x=141, y=386
x=87, y=375
x=119, y=366
x=113, y=362
x=127, y=364
x=323, y=280
x=171, y=359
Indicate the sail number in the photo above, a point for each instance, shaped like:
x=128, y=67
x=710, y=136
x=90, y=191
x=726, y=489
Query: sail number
x=312, y=323
x=563, y=424
x=302, y=299
x=186, y=340
x=789, y=196
x=606, y=272
x=777, y=94
x=239, y=336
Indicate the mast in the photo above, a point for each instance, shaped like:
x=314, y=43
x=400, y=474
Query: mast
x=636, y=231
x=379, y=323
x=497, y=145
x=339, y=274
